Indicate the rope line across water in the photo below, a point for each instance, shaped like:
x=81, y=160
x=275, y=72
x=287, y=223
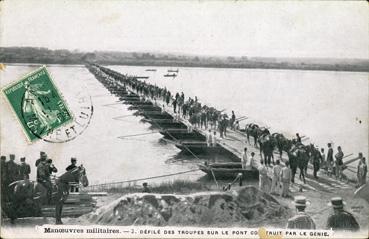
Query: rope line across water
x=142, y=179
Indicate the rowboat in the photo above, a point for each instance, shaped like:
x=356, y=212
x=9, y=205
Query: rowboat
x=199, y=147
x=181, y=134
x=130, y=97
x=131, y=101
x=170, y=75
x=144, y=108
x=156, y=114
x=141, y=77
x=228, y=170
x=172, y=124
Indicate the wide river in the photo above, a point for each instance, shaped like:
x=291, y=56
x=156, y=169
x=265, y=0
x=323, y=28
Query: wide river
x=323, y=105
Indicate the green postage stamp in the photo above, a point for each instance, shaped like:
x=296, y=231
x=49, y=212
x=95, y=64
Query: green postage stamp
x=37, y=104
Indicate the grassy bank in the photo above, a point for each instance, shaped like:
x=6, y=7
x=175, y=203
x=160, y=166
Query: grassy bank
x=176, y=186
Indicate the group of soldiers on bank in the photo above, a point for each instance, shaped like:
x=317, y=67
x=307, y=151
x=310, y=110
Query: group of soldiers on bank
x=12, y=172
x=338, y=220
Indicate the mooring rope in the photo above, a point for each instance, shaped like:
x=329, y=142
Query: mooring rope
x=134, y=135
x=142, y=179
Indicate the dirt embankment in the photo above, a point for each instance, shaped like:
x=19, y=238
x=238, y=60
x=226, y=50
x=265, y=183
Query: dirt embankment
x=244, y=207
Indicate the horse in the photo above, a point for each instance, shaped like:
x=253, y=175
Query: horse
x=282, y=143
x=33, y=194
x=252, y=130
x=298, y=158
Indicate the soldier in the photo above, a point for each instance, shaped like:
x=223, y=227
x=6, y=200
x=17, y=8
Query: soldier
x=214, y=139
x=330, y=159
x=316, y=162
x=43, y=176
x=3, y=168
x=301, y=220
x=12, y=170
x=233, y=120
x=338, y=163
x=51, y=167
x=286, y=179
x=24, y=169
x=73, y=165
x=3, y=178
x=276, y=178
x=362, y=170
x=323, y=160
x=244, y=160
x=42, y=154
x=146, y=188
x=263, y=177
x=298, y=138
x=209, y=138
x=341, y=220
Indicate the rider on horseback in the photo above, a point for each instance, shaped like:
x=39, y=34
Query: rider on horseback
x=44, y=170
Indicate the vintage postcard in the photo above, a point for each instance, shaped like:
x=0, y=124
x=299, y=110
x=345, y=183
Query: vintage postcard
x=184, y=119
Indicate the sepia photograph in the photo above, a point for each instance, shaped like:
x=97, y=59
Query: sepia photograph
x=184, y=119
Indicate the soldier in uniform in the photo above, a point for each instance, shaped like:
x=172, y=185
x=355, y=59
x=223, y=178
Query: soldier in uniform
x=24, y=169
x=298, y=138
x=52, y=168
x=12, y=170
x=330, y=159
x=341, y=220
x=3, y=178
x=301, y=220
x=42, y=154
x=73, y=165
x=43, y=176
x=12, y=175
x=286, y=177
x=146, y=188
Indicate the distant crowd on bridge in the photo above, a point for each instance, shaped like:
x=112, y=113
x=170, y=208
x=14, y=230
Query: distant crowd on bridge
x=207, y=117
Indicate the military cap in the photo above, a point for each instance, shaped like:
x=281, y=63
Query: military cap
x=300, y=201
x=336, y=202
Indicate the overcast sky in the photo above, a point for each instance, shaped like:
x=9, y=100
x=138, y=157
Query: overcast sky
x=336, y=29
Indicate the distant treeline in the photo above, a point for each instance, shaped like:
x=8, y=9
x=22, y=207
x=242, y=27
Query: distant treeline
x=47, y=56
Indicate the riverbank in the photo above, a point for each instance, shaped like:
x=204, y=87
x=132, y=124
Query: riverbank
x=318, y=209
x=62, y=56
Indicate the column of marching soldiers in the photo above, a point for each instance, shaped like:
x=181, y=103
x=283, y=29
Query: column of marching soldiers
x=12, y=171
x=203, y=116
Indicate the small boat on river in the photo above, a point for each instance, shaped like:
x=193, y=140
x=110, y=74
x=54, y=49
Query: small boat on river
x=170, y=75
x=182, y=134
x=156, y=114
x=228, y=170
x=198, y=147
x=172, y=124
x=141, y=77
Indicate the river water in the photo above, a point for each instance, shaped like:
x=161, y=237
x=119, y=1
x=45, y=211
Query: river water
x=325, y=106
